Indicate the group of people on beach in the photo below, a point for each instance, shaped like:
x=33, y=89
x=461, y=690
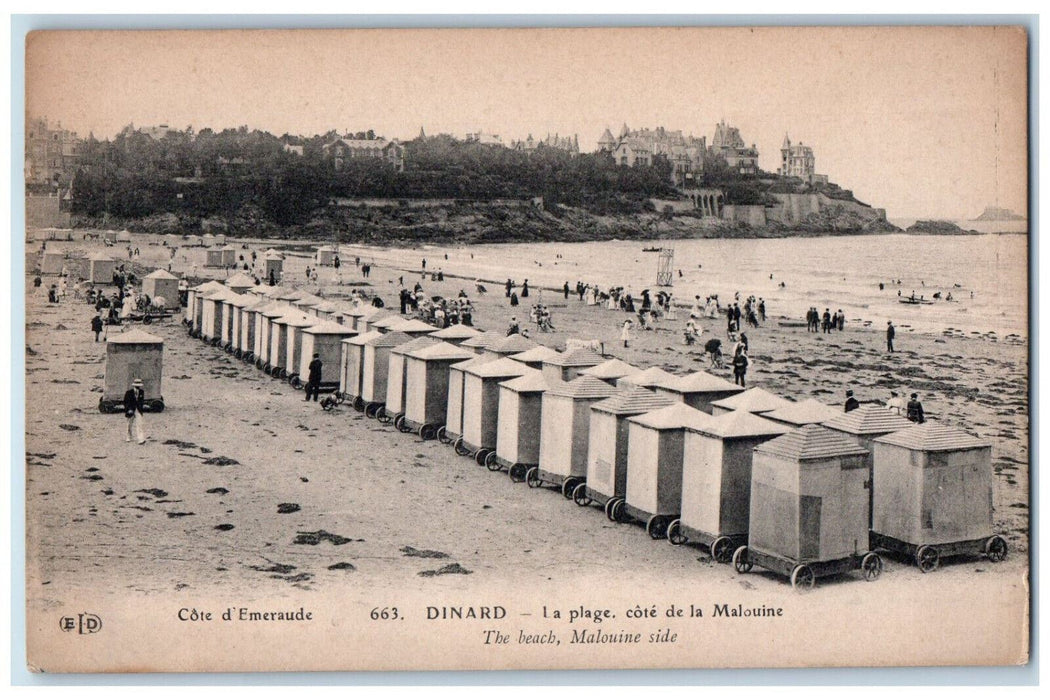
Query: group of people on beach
x=826, y=323
x=437, y=311
x=913, y=410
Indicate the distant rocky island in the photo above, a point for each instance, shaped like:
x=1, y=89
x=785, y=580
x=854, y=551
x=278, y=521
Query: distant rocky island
x=937, y=227
x=998, y=214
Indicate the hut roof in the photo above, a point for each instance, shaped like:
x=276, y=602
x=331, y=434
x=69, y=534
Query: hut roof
x=677, y=415
x=160, y=274
x=274, y=254
x=136, y=336
x=512, y=344
x=469, y=362
x=229, y=247
x=412, y=325
x=363, y=338
x=386, y=322
x=756, y=400
x=456, y=331
x=356, y=311
x=274, y=291
x=209, y=286
x=389, y=340
x=812, y=442
x=483, y=340
x=503, y=367
x=329, y=328
x=326, y=307
x=299, y=321
x=803, y=413
x=326, y=248
x=737, y=424
x=632, y=401
x=415, y=344
x=275, y=309
x=218, y=294
x=309, y=300
x=239, y=279
x=240, y=300
x=933, y=436
x=869, y=419
x=584, y=387
x=699, y=382
x=531, y=382
x=611, y=369
x=580, y=357
x=540, y=353
x=442, y=351
x=289, y=295
x=654, y=376
x=374, y=313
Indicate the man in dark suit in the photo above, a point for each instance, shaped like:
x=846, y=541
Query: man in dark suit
x=851, y=402
x=313, y=381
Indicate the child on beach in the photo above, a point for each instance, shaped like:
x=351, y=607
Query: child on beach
x=625, y=332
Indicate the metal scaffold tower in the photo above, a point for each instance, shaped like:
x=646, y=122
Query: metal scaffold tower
x=664, y=270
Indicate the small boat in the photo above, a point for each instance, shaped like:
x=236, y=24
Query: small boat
x=651, y=250
x=909, y=300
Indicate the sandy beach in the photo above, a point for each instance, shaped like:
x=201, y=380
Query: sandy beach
x=245, y=488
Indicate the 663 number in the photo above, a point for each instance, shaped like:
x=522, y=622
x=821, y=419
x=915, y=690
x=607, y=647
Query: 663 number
x=384, y=614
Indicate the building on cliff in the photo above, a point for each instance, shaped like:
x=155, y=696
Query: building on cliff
x=480, y=137
x=342, y=150
x=729, y=144
x=569, y=144
x=644, y=146
x=797, y=160
x=52, y=154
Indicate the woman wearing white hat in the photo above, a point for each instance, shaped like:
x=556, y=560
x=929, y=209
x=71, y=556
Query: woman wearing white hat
x=134, y=401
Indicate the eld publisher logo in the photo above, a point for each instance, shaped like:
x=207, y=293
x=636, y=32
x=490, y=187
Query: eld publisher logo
x=84, y=623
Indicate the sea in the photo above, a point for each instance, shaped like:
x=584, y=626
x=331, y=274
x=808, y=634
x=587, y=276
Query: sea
x=987, y=275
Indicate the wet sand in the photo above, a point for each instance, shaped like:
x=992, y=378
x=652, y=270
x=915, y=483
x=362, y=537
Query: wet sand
x=204, y=504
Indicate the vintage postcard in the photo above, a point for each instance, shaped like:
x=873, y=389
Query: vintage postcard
x=608, y=348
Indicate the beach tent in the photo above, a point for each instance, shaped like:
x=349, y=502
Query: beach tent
x=716, y=481
x=756, y=400
x=809, y=507
x=325, y=256
x=802, y=413
x=507, y=346
x=481, y=403
x=863, y=425
x=699, y=390
x=520, y=411
x=240, y=282
x=933, y=494
x=610, y=371
x=567, y=366
x=52, y=262
x=535, y=357
x=607, y=445
x=208, y=240
x=213, y=257
x=352, y=365
x=394, y=404
x=454, y=409
x=456, y=333
x=426, y=386
x=655, y=442
x=229, y=256
x=163, y=284
x=131, y=355
x=101, y=268
x=564, y=430
x=375, y=367
x=109, y=235
x=648, y=379
x=273, y=264
x=124, y=236
x=220, y=239
x=192, y=240
x=325, y=339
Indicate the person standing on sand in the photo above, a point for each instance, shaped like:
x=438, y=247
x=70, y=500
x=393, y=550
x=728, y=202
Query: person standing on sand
x=896, y=403
x=313, y=381
x=525, y=288
x=134, y=404
x=825, y=323
x=625, y=332
x=840, y=320
x=96, y=325
x=890, y=333
x=513, y=298
x=851, y=403
x=565, y=289
x=740, y=363
x=915, y=412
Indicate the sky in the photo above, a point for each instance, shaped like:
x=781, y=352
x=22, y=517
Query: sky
x=922, y=121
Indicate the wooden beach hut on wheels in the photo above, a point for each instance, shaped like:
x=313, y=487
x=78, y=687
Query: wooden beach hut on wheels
x=716, y=482
x=518, y=430
x=809, y=508
x=481, y=404
x=699, y=390
x=933, y=495
x=131, y=355
x=326, y=340
x=394, y=405
x=426, y=388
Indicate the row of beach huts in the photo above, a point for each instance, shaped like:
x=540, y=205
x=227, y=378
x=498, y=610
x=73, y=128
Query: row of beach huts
x=798, y=488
